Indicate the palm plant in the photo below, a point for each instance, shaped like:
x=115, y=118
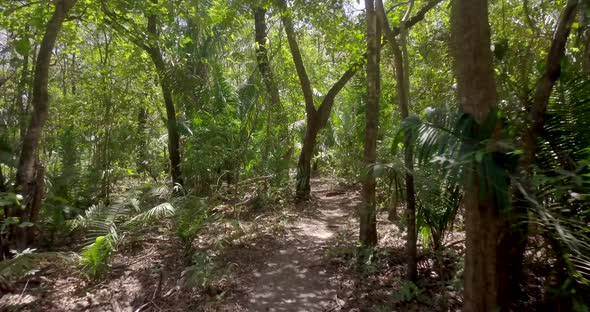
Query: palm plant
x=557, y=202
x=106, y=227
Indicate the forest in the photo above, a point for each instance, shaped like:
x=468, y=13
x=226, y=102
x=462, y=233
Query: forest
x=295, y=155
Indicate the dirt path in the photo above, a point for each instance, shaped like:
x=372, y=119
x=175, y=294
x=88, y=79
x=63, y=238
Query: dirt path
x=293, y=277
x=282, y=270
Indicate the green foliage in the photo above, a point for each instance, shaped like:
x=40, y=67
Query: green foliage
x=106, y=130
x=106, y=227
x=366, y=259
x=200, y=273
x=159, y=212
x=408, y=292
x=94, y=257
x=439, y=201
x=190, y=219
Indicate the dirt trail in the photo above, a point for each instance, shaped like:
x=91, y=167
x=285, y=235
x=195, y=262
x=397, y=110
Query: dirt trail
x=293, y=277
x=286, y=270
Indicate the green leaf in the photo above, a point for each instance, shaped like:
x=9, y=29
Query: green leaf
x=23, y=46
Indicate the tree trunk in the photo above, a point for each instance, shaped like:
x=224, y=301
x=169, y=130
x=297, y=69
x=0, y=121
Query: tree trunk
x=403, y=90
x=322, y=114
x=22, y=87
x=368, y=220
x=26, y=176
x=514, y=234
x=477, y=95
x=37, y=201
x=316, y=118
x=266, y=72
x=303, y=187
x=171, y=125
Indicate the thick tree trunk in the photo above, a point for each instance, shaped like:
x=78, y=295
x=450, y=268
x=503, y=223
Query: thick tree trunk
x=368, y=221
x=477, y=95
x=171, y=125
x=26, y=176
x=37, y=201
x=303, y=188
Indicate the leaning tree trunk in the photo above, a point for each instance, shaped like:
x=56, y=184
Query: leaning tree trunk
x=368, y=220
x=26, y=176
x=477, y=95
x=515, y=229
x=403, y=90
x=171, y=125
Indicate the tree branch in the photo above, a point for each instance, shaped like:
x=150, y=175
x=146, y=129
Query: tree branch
x=328, y=101
x=112, y=19
x=297, y=59
x=547, y=81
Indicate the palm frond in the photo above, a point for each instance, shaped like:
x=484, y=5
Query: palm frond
x=159, y=212
x=570, y=232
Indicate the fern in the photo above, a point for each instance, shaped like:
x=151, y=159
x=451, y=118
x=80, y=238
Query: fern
x=190, y=219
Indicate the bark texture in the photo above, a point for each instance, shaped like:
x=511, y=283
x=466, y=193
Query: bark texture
x=477, y=96
x=368, y=221
x=26, y=175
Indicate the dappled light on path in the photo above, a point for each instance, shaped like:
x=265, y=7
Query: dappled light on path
x=292, y=278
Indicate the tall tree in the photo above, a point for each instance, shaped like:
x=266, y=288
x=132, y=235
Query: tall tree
x=265, y=70
x=153, y=49
x=400, y=61
x=368, y=218
x=477, y=97
x=514, y=229
x=316, y=118
x=149, y=42
x=27, y=175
